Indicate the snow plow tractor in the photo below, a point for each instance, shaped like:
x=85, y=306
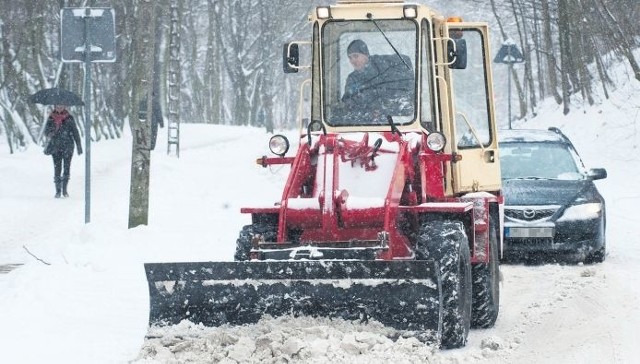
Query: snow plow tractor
x=392, y=209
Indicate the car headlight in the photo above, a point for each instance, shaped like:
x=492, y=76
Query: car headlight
x=585, y=211
x=279, y=145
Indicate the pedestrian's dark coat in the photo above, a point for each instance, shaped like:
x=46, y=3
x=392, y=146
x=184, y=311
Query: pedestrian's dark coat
x=63, y=133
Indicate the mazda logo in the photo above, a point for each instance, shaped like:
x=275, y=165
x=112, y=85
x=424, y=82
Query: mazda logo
x=529, y=213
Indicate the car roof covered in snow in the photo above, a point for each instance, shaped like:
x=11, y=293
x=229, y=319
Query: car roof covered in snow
x=530, y=135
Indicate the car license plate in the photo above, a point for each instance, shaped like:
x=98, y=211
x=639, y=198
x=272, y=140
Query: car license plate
x=529, y=232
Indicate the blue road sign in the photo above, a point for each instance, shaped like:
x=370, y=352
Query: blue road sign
x=509, y=54
x=98, y=24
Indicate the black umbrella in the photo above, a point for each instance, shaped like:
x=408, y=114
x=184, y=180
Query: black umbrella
x=56, y=96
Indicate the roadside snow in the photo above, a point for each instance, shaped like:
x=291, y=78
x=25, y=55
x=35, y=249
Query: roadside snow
x=90, y=304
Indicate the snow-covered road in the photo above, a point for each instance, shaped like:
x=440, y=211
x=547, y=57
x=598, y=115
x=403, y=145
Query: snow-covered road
x=91, y=303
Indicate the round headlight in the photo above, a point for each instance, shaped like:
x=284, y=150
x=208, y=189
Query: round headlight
x=279, y=145
x=436, y=141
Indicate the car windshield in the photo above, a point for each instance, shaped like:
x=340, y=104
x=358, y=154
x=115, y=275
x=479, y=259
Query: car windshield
x=527, y=160
x=369, y=71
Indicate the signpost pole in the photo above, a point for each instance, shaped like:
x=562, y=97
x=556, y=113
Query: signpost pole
x=509, y=54
x=509, y=83
x=87, y=117
x=87, y=35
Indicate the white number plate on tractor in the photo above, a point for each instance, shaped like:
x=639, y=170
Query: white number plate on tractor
x=528, y=232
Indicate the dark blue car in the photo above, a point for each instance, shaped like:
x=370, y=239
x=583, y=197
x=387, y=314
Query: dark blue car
x=552, y=207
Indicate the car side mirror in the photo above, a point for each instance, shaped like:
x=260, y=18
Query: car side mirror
x=457, y=54
x=290, y=58
x=597, y=173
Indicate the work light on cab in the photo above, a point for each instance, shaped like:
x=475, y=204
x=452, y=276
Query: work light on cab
x=323, y=12
x=410, y=11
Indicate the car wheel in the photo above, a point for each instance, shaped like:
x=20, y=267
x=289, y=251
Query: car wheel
x=597, y=256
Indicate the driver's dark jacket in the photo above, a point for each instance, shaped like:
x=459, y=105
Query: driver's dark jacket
x=385, y=79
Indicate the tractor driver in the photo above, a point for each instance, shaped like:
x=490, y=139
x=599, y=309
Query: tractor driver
x=363, y=73
x=378, y=85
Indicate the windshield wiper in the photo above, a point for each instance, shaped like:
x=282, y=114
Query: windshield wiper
x=370, y=17
x=394, y=128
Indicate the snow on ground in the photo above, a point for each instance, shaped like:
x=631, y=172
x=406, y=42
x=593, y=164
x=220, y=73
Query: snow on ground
x=85, y=299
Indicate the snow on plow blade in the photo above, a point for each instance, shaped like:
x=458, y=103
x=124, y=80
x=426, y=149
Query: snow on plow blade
x=405, y=295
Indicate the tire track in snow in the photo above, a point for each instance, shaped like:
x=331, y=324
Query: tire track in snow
x=550, y=301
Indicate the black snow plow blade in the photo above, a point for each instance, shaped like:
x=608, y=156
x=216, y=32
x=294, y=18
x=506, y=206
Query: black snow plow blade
x=404, y=295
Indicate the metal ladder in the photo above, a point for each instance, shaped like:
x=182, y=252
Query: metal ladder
x=173, y=124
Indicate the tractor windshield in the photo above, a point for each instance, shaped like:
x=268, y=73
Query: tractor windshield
x=369, y=71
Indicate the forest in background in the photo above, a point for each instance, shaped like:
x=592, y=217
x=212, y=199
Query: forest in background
x=230, y=57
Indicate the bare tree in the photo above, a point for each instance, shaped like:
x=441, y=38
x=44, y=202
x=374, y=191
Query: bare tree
x=622, y=38
x=141, y=127
x=212, y=73
x=550, y=54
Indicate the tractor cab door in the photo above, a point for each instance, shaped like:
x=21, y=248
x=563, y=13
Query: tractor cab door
x=473, y=119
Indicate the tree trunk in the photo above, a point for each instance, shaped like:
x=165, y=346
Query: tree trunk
x=141, y=124
x=213, y=83
x=564, y=29
x=587, y=53
x=537, y=45
x=552, y=63
x=499, y=20
x=623, y=43
x=522, y=100
x=528, y=65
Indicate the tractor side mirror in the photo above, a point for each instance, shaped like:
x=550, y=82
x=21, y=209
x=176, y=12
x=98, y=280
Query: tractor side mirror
x=457, y=52
x=290, y=58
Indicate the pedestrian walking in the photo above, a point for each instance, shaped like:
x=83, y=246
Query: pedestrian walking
x=62, y=134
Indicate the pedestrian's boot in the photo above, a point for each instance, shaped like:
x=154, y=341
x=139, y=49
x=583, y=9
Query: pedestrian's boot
x=65, y=182
x=58, y=183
